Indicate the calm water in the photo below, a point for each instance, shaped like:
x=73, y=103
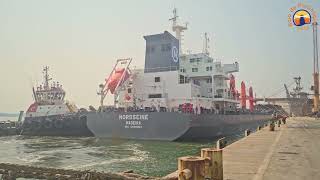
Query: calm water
x=155, y=158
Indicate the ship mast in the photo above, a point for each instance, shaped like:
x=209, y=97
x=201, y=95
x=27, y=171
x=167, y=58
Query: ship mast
x=315, y=68
x=178, y=29
x=206, y=44
x=46, y=78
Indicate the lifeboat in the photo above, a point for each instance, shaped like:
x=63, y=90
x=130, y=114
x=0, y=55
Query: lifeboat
x=116, y=77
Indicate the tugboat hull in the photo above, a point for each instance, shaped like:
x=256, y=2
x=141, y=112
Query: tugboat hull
x=56, y=125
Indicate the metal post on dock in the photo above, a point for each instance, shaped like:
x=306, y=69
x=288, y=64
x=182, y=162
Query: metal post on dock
x=221, y=143
x=279, y=122
x=191, y=167
x=215, y=166
x=258, y=128
x=271, y=126
x=247, y=132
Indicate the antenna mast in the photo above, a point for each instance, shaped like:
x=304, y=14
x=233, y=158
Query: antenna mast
x=46, y=77
x=315, y=68
x=178, y=29
x=206, y=44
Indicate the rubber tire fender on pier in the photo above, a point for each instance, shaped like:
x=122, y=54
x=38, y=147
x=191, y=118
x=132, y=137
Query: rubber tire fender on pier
x=58, y=124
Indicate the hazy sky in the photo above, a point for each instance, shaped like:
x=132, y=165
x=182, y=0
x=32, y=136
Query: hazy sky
x=81, y=39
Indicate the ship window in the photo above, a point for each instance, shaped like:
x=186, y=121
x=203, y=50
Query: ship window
x=183, y=70
x=209, y=80
x=182, y=79
x=194, y=69
x=129, y=90
x=155, y=95
x=157, y=79
x=209, y=68
x=192, y=60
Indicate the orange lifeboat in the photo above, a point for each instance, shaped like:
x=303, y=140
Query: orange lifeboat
x=115, y=79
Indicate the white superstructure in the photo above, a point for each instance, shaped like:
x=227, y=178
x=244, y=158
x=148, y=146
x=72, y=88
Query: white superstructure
x=196, y=79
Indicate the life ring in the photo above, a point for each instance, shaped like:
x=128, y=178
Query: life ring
x=58, y=124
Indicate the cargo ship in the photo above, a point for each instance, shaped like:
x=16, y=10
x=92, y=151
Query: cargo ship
x=176, y=96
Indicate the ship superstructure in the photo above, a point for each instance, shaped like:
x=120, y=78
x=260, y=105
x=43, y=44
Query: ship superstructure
x=171, y=78
x=49, y=99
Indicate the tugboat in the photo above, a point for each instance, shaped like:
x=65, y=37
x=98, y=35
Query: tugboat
x=51, y=115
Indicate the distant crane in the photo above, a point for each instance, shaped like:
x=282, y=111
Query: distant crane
x=287, y=91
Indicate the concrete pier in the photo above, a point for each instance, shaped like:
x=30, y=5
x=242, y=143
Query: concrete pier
x=292, y=152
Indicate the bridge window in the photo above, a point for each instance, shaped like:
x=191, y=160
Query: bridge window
x=155, y=95
x=194, y=69
x=157, y=79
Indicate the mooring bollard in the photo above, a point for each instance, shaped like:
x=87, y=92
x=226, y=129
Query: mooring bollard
x=284, y=120
x=271, y=126
x=215, y=167
x=279, y=122
x=191, y=167
x=247, y=132
x=258, y=128
x=221, y=143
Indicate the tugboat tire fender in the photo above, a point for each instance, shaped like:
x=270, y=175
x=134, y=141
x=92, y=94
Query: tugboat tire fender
x=47, y=124
x=58, y=124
